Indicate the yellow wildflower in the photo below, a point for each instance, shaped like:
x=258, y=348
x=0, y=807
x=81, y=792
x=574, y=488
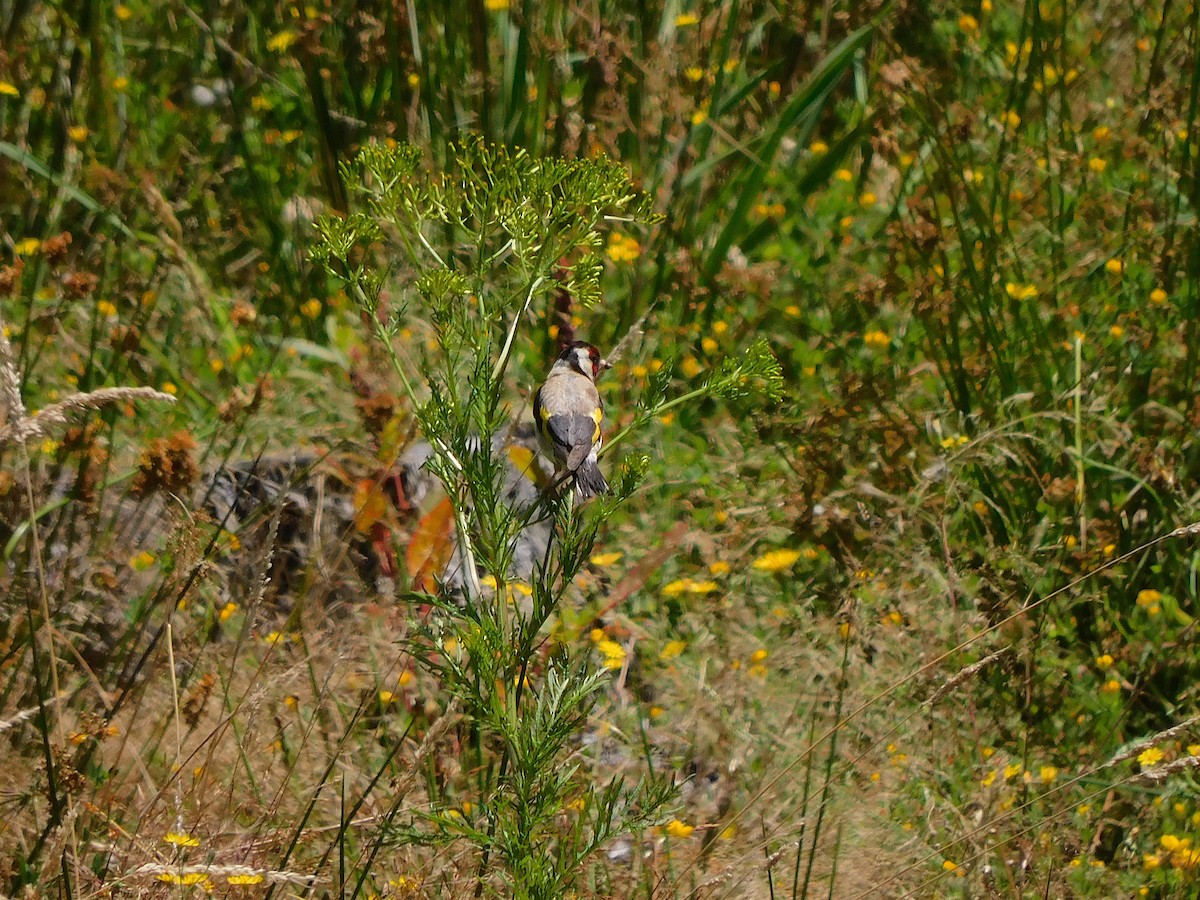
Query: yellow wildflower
x=1114, y=266
x=1151, y=756
x=685, y=19
x=185, y=878
x=1148, y=597
x=677, y=829
x=614, y=654
x=606, y=559
x=280, y=42
x=181, y=839
x=141, y=561
x=252, y=878
x=622, y=248
x=1020, y=291
x=877, y=338
x=776, y=560
x=8, y=90
x=672, y=649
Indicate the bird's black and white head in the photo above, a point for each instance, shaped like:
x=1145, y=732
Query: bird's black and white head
x=583, y=358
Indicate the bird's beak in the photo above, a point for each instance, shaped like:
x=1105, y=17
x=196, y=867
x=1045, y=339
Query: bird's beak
x=605, y=364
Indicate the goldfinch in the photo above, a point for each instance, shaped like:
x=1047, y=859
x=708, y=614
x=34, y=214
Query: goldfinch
x=567, y=412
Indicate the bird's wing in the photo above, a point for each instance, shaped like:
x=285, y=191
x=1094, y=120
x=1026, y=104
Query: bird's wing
x=575, y=435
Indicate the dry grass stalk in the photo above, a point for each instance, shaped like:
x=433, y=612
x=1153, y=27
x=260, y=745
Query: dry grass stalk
x=24, y=715
x=1137, y=747
x=1159, y=774
x=16, y=425
x=963, y=674
x=270, y=876
x=25, y=428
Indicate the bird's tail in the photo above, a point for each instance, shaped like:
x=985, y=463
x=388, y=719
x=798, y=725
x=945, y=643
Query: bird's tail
x=589, y=480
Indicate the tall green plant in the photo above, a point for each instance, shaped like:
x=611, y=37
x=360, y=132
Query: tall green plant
x=481, y=246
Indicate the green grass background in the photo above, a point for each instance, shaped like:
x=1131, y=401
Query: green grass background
x=926, y=627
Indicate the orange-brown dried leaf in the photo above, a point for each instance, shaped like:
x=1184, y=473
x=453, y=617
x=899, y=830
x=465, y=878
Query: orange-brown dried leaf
x=370, y=505
x=431, y=545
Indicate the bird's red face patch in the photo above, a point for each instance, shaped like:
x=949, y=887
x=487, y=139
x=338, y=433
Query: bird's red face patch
x=584, y=358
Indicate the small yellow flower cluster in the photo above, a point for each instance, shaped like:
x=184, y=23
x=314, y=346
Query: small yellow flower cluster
x=188, y=878
x=680, y=830
x=776, y=560
x=513, y=589
x=614, y=654
x=623, y=248
x=671, y=650
x=282, y=41
x=689, y=586
x=601, y=560
x=250, y=878
x=1149, y=600
x=877, y=339
x=139, y=562
x=1020, y=291
x=770, y=210
x=1181, y=854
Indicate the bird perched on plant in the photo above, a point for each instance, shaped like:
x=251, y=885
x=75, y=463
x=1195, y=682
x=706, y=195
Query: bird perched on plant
x=567, y=412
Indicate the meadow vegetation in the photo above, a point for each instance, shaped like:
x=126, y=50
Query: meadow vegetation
x=896, y=593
